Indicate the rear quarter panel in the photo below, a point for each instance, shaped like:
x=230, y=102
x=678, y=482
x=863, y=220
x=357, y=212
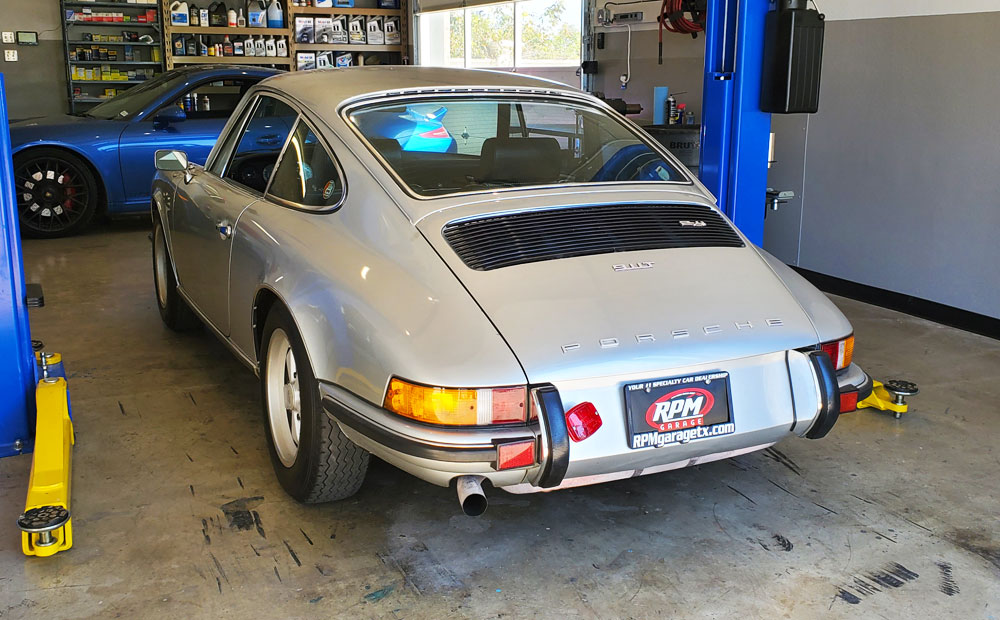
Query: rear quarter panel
x=370, y=297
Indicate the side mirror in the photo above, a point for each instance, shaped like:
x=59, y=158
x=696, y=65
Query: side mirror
x=171, y=161
x=170, y=114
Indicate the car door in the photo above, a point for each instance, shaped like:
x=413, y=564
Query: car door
x=208, y=207
x=207, y=107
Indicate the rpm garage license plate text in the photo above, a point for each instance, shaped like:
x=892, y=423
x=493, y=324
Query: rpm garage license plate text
x=679, y=409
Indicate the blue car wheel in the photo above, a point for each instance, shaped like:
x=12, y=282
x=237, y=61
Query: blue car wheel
x=56, y=193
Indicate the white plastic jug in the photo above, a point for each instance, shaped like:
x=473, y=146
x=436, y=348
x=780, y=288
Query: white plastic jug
x=256, y=15
x=275, y=16
x=179, y=15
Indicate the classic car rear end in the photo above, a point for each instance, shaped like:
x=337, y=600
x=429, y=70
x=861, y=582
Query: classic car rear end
x=551, y=301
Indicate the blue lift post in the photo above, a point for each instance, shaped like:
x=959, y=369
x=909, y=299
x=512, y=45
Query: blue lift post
x=17, y=361
x=735, y=133
x=34, y=409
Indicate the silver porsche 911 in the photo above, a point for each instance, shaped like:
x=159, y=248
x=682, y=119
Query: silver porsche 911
x=482, y=276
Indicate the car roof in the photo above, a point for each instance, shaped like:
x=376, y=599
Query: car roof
x=323, y=90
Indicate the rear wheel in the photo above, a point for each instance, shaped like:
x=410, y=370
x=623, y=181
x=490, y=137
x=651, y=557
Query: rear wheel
x=174, y=311
x=312, y=458
x=56, y=193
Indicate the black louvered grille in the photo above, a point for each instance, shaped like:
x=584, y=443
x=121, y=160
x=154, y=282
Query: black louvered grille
x=533, y=236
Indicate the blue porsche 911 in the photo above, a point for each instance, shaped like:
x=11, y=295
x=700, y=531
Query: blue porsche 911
x=67, y=168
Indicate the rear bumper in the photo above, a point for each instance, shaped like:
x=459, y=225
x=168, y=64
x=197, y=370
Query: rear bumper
x=431, y=453
x=439, y=455
x=853, y=378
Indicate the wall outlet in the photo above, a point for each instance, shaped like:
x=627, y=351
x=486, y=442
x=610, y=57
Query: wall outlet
x=8, y=37
x=10, y=55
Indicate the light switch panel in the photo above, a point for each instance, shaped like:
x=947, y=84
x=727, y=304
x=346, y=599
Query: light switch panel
x=8, y=37
x=10, y=55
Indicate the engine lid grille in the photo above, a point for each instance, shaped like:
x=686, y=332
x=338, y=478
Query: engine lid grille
x=515, y=239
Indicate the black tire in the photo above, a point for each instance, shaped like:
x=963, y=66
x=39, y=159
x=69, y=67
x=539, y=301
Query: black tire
x=59, y=206
x=327, y=466
x=174, y=311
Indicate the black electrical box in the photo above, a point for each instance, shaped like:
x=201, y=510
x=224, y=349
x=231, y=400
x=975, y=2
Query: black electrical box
x=793, y=59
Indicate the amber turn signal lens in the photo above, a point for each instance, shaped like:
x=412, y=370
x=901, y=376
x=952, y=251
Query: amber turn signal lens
x=457, y=406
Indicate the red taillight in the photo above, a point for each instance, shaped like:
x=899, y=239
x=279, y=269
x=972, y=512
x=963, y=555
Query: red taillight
x=513, y=455
x=848, y=401
x=582, y=421
x=841, y=352
x=440, y=132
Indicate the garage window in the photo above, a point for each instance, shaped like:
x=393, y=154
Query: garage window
x=522, y=35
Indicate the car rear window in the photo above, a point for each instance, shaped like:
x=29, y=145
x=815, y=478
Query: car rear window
x=447, y=145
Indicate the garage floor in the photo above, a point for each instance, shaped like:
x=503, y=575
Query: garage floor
x=178, y=515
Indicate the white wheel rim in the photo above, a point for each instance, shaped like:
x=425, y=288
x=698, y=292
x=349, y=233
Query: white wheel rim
x=160, y=268
x=284, y=400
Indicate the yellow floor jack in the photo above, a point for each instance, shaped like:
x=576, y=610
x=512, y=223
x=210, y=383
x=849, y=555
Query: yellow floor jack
x=890, y=396
x=46, y=528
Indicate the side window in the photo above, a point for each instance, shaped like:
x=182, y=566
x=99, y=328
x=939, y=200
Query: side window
x=210, y=100
x=260, y=143
x=228, y=142
x=307, y=175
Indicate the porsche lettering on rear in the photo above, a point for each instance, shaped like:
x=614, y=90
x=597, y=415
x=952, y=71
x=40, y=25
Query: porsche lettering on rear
x=612, y=342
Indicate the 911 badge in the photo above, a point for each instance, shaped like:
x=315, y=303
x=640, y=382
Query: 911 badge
x=678, y=410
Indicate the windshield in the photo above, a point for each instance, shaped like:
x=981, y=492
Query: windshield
x=137, y=98
x=454, y=145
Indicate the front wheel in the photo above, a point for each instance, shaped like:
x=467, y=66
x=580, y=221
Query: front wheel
x=174, y=311
x=312, y=458
x=56, y=193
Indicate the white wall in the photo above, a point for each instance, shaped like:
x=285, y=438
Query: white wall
x=873, y=9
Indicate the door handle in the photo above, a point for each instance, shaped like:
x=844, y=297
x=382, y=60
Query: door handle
x=268, y=140
x=225, y=230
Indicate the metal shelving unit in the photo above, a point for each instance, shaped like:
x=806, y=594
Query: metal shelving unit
x=214, y=34
x=148, y=55
x=395, y=54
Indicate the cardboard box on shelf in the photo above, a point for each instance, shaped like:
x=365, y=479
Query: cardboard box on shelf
x=305, y=61
x=305, y=28
x=323, y=30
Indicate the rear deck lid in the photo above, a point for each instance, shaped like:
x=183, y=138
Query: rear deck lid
x=598, y=289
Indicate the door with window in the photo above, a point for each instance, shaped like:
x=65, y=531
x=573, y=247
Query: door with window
x=207, y=107
x=207, y=210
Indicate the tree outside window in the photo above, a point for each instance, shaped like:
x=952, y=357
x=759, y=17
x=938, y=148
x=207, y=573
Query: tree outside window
x=528, y=33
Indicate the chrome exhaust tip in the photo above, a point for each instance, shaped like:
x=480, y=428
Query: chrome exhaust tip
x=471, y=496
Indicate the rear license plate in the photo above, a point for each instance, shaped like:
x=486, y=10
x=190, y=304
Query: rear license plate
x=678, y=410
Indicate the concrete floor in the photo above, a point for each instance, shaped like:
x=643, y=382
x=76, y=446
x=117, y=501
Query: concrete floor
x=883, y=518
